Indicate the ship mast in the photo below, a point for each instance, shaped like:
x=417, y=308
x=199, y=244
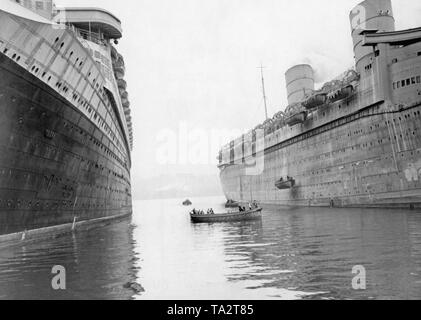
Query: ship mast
x=264, y=91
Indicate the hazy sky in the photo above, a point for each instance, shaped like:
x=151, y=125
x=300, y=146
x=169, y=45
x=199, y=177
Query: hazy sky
x=192, y=64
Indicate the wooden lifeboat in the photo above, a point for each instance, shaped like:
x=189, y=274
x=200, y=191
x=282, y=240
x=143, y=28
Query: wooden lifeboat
x=254, y=214
x=283, y=184
x=315, y=101
x=296, y=118
x=341, y=94
x=122, y=84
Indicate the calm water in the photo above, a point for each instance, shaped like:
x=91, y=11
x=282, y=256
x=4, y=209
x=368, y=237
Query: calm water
x=290, y=254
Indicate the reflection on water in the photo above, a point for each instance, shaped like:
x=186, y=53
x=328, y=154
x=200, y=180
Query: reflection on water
x=99, y=265
x=290, y=254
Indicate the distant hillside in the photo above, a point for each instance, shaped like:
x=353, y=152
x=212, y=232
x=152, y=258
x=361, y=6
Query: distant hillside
x=177, y=186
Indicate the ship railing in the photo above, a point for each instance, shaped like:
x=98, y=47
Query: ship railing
x=86, y=35
x=91, y=36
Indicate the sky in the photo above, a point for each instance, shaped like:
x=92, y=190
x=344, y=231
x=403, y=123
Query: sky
x=192, y=68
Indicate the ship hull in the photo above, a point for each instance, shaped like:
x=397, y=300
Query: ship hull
x=54, y=168
x=371, y=159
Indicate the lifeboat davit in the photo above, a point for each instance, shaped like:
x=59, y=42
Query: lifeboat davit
x=315, y=101
x=296, y=118
x=341, y=94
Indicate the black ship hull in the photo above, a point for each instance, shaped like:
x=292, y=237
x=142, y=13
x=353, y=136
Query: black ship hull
x=55, y=167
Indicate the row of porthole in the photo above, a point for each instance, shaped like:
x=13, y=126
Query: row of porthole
x=56, y=181
x=352, y=165
x=34, y=147
x=80, y=64
x=49, y=181
x=94, y=81
x=310, y=196
x=353, y=147
x=36, y=69
x=109, y=107
x=55, y=151
x=345, y=149
x=58, y=85
x=61, y=204
x=15, y=56
x=100, y=145
x=106, y=128
x=406, y=117
x=350, y=117
x=317, y=186
x=365, y=163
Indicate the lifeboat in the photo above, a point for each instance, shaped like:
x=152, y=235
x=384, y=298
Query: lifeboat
x=315, y=101
x=296, y=118
x=122, y=84
x=124, y=95
x=126, y=105
x=280, y=115
x=124, y=100
x=119, y=72
x=119, y=68
x=341, y=94
x=254, y=214
x=284, y=184
x=114, y=53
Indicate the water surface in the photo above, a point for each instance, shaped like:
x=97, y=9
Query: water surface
x=291, y=254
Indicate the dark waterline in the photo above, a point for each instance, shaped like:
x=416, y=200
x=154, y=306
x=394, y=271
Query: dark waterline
x=291, y=254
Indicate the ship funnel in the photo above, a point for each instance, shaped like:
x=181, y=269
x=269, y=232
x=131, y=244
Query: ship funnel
x=300, y=82
x=371, y=16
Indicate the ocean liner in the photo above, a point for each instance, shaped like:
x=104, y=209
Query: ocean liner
x=65, y=124
x=354, y=142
